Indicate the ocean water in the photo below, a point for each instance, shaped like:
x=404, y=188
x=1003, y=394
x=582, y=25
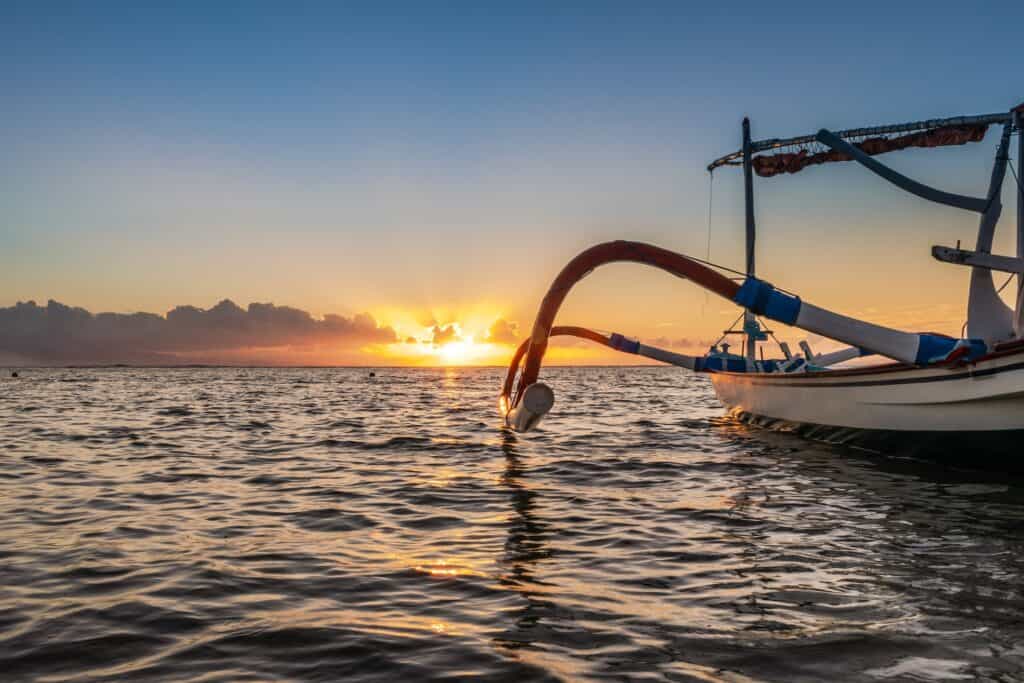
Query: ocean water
x=320, y=524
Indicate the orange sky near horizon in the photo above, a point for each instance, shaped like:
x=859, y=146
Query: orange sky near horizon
x=643, y=303
x=469, y=341
x=843, y=272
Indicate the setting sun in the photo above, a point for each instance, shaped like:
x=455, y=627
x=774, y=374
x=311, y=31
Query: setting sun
x=462, y=352
x=447, y=344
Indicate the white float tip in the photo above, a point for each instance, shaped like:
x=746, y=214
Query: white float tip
x=538, y=398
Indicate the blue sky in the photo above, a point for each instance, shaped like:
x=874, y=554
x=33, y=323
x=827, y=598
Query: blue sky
x=342, y=157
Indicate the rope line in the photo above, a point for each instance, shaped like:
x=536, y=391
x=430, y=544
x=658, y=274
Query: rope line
x=711, y=197
x=1003, y=286
x=726, y=333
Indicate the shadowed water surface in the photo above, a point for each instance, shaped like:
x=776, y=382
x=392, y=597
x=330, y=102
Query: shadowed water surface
x=320, y=524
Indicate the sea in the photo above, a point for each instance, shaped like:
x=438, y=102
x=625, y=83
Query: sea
x=358, y=524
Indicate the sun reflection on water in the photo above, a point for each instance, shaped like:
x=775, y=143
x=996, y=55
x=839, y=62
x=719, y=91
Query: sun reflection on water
x=447, y=569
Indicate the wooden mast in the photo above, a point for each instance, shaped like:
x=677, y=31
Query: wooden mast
x=1018, y=314
x=749, y=320
x=1019, y=123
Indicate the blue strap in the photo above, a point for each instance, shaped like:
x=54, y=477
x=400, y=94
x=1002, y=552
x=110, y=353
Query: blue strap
x=621, y=343
x=761, y=298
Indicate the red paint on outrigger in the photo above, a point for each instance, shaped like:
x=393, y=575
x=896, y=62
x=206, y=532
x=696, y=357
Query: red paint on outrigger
x=574, y=271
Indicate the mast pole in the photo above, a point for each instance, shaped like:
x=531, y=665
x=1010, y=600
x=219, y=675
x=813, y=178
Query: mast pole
x=748, y=195
x=1018, y=122
x=749, y=319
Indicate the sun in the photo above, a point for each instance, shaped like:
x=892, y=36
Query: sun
x=463, y=352
x=424, y=348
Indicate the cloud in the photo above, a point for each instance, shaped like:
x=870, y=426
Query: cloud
x=57, y=333
x=443, y=335
x=426, y=319
x=680, y=343
x=684, y=344
x=503, y=332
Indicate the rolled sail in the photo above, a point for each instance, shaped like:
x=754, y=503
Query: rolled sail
x=768, y=165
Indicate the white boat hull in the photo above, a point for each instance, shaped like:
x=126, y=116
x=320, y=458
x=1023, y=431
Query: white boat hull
x=986, y=396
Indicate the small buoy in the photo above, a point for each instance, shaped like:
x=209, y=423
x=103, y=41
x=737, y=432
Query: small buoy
x=14, y=374
x=373, y=374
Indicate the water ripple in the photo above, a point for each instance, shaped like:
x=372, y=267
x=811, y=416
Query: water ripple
x=318, y=524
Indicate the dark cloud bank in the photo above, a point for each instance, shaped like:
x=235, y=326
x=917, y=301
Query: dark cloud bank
x=59, y=334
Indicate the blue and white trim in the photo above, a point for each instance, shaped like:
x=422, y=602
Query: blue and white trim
x=762, y=298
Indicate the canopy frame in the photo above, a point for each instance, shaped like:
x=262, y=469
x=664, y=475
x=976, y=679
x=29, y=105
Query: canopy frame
x=736, y=158
x=988, y=317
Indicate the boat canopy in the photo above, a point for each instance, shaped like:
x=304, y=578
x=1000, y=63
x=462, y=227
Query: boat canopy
x=791, y=155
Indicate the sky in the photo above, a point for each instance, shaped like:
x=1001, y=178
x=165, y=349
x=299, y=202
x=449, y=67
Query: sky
x=398, y=183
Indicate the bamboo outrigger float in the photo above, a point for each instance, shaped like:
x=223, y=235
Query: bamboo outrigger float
x=927, y=385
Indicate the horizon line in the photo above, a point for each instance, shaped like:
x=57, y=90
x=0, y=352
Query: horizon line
x=215, y=366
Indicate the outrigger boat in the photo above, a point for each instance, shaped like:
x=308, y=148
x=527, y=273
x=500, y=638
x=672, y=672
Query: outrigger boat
x=927, y=387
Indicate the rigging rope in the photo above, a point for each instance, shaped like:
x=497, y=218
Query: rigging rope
x=711, y=196
x=707, y=254
x=726, y=333
x=1003, y=286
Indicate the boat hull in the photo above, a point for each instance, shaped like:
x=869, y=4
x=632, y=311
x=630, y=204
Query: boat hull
x=982, y=397
x=998, y=450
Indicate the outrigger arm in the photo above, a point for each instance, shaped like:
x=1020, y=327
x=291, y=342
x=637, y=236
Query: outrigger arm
x=988, y=317
x=520, y=403
x=1018, y=318
x=901, y=181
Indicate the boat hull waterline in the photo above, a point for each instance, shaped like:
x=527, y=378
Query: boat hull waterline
x=986, y=396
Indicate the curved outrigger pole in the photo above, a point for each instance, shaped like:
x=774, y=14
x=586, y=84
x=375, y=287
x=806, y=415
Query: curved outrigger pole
x=1018, y=318
x=901, y=181
x=987, y=316
x=990, y=321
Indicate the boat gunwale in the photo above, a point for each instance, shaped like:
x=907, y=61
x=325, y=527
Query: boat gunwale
x=809, y=378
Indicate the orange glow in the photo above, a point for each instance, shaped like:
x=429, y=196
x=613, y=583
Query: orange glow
x=438, y=338
x=477, y=336
x=460, y=352
x=466, y=337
